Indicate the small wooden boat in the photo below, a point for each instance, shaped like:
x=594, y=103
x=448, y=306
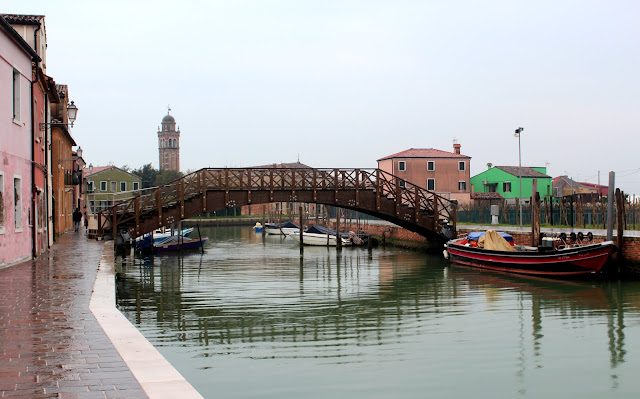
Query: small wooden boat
x=177, y=243
x=145, y=242
x=317, y=235
x=556, y=257
x=285, y=228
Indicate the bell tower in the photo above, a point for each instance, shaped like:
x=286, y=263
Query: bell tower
x=169, y=143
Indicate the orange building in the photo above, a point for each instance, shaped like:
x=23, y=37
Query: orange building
x=446, y=173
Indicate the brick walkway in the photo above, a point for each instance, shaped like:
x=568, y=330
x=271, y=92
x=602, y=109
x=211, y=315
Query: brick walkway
x=51, y=345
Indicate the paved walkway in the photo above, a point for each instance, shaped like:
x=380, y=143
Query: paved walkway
x=51, y=345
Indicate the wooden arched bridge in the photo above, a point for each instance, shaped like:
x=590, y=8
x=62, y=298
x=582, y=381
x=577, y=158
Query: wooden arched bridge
x=370, y=191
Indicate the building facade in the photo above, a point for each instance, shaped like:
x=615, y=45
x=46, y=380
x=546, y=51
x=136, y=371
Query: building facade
x=446, y=173
x=505, y=180
x=16, y=138
x=169, y=144
x=105, y=185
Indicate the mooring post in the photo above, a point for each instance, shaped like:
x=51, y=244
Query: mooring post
x=264, y=231
x=610, y=196
x=301, y=231
x=338, y=237
x=620, y=215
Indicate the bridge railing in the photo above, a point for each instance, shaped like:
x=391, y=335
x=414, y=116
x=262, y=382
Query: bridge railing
x=197, y=183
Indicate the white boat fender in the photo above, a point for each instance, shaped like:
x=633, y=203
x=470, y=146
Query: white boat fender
x=446, y=254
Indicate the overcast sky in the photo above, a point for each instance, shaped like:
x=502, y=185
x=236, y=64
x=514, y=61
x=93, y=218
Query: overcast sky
x=344, y=83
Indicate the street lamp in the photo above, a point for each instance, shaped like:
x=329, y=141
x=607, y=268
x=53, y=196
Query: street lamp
x=72, y=113
x=517, y=134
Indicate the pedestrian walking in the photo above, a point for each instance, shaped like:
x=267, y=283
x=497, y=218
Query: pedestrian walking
x=77, y=218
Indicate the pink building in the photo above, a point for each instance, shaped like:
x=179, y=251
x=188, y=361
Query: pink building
x=446, y=173
x=16, y=140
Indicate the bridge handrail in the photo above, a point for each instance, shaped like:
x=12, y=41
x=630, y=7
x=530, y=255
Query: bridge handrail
x=277, y=179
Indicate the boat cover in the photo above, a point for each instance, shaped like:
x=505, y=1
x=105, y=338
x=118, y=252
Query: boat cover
x=314, y=228
x=475, y=236
x=495, y=242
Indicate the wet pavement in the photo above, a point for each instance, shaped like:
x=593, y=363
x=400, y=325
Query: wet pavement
x=51, y=345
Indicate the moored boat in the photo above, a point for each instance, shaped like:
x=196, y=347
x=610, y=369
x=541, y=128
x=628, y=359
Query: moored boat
x=178, y=243
x=556, y=257
x=318, y=235
x=285, y=228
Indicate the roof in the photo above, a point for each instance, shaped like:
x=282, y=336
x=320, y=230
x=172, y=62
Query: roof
x=98, y=169
x=168, y=119
x=486, y=196
x=23, y=19
x=424, y=153
x=4, y=24
x=522, y=172
x=291, y=165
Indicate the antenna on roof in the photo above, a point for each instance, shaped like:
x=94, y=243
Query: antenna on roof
x=298, y=157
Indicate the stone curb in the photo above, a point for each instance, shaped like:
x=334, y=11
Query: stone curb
x=158, y=378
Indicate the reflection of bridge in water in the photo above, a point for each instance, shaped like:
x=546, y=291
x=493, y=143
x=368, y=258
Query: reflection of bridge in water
x=370, y=191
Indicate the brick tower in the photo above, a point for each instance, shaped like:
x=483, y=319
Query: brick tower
x=169, y=143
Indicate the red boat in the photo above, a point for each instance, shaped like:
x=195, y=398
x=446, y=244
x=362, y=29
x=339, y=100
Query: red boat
x=558, y=256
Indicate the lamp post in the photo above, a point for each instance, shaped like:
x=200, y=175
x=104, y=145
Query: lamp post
x=517, y=134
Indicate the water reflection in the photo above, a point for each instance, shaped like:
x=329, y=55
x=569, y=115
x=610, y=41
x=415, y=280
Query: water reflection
x=258, y=299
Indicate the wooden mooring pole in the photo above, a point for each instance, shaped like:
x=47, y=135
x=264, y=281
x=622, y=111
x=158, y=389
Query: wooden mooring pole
x=338, y=237
x=301, y=231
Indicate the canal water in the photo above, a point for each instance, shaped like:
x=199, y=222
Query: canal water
x=251, y=318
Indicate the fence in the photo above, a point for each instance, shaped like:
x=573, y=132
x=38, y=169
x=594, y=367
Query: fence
x=557, y=212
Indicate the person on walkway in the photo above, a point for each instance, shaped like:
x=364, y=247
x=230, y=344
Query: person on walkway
x=77, y=218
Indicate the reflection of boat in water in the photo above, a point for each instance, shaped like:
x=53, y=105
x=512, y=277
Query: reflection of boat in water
x=556, y=257
x=320, y=235
x=178, y=243
x=285, y=228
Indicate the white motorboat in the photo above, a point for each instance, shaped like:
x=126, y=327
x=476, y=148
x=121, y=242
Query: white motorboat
x=317, y=235
x=285, y=228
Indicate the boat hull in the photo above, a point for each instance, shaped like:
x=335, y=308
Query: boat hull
x=318, y=239
x=572, y=261
x=180, y=246
x=276, y=231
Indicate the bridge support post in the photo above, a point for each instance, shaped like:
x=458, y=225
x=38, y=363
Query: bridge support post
x=136, y=211
x=159, y=205
x=203, y=191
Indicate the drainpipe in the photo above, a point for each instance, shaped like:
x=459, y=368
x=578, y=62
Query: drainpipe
x=34, y=224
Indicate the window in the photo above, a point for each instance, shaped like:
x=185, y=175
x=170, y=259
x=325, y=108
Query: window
x=114, y=186
x=123, y=186
x=431, y=184
x=90, y=187
x=103, y=186
x=2, y=203
x=431, y=166
x=136, y=185
x=16, y=95
x=92, y=206
x=506, y=187
x=461, y=166
x=17, y=202
x=402, y=183
x=402, y=166
x=462, y=186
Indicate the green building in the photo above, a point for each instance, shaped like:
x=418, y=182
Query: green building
x=105, y=185
x=505, y=180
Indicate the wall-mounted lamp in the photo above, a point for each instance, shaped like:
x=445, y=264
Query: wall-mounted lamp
x=72, y=113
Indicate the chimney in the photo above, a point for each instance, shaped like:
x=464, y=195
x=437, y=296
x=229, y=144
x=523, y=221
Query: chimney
x=456, y=148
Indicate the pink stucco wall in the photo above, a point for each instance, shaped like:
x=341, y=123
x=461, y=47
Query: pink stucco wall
x=15, y=153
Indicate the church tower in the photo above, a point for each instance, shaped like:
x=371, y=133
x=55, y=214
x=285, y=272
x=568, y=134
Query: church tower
x=169, y=143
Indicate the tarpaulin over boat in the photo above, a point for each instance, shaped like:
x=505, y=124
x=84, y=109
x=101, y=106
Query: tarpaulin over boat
x=495, y=242
x=475, y=236
x=323, y=230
